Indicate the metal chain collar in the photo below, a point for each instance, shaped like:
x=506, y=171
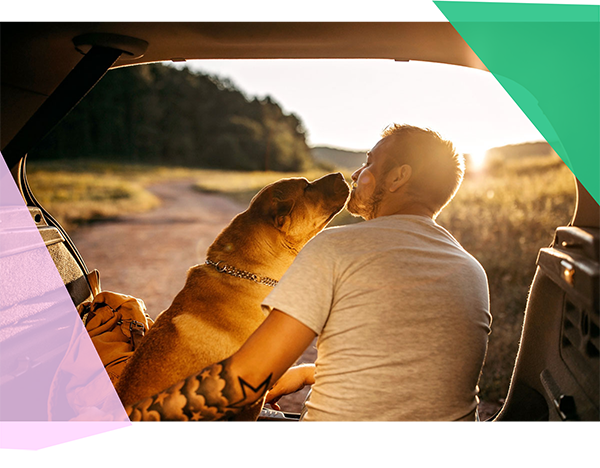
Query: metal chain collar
x=242, y=274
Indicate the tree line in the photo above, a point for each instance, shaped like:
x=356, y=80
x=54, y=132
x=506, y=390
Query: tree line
x=160, y=114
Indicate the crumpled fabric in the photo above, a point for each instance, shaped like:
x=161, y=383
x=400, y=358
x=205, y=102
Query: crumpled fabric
x=116, y=324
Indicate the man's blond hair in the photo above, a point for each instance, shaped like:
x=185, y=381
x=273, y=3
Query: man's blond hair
x=437, y=168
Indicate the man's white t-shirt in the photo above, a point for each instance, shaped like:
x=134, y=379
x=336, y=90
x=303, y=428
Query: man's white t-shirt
x=402, y=314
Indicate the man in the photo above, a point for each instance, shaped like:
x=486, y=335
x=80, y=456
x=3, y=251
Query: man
x=401, y=309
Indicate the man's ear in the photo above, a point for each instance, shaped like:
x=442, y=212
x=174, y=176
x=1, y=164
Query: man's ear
x=281, y=210
x=399, y=176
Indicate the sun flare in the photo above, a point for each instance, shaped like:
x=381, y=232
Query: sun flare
x=476, y=160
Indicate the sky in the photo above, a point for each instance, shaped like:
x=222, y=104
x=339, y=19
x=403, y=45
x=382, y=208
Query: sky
x=347, y=103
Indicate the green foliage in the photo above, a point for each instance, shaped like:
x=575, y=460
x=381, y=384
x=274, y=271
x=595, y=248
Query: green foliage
x=159, y=114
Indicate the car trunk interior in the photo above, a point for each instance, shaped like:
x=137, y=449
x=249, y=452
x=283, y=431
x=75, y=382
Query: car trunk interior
x=556, y=373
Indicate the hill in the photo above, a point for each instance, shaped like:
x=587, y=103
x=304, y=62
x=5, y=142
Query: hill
x=538, y=148
x=343, y=159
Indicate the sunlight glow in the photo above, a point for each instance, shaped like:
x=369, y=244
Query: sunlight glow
x=347, y=103
x=476, y=160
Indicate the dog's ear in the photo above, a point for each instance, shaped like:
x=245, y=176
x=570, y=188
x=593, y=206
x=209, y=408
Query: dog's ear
x=281, y=210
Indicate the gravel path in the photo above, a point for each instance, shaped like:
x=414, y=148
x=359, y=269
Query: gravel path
x=147, y=255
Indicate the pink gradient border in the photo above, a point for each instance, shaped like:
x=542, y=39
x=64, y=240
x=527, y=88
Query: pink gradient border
x=32, y=297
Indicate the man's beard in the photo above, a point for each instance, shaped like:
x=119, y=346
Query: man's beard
x=369, y=209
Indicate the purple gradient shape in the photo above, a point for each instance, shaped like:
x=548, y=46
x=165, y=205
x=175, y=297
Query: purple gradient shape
x=53, y=386
x=27, y=435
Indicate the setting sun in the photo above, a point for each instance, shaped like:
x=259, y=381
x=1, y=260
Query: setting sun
x=476, y=160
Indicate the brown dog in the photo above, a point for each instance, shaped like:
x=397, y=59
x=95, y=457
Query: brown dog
x=220, y=304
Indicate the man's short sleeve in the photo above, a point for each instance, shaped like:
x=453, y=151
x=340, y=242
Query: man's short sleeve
x=306, y=290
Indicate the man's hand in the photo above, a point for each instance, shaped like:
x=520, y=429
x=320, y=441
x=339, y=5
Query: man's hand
x=293, y=380
x=227, y=388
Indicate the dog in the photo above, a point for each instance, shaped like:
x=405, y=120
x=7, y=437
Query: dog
x=220, y=305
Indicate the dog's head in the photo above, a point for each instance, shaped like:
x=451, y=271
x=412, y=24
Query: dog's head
x=299, y=209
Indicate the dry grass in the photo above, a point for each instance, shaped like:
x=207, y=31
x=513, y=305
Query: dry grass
x=242, y=186
x=78, y=192
x=502, y=215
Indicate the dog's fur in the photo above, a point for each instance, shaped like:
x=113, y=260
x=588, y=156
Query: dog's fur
x=214, y=314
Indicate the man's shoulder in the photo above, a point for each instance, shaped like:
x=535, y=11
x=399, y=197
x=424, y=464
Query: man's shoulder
x=336, y=237
x=344, y=231
x=372, y=227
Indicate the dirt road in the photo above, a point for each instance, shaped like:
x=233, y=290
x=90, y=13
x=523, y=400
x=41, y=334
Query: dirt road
x=147, y=255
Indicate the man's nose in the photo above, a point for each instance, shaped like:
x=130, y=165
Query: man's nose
x=356, y=173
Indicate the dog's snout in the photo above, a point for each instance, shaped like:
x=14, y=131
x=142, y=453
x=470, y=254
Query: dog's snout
x=340, y=184
x=336, y=179
x=333, y=186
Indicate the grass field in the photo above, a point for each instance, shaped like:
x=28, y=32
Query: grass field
x=503, y=215
x=79, y=192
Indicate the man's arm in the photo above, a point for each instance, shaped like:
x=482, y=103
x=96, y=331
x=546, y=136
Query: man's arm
x=230, y=386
